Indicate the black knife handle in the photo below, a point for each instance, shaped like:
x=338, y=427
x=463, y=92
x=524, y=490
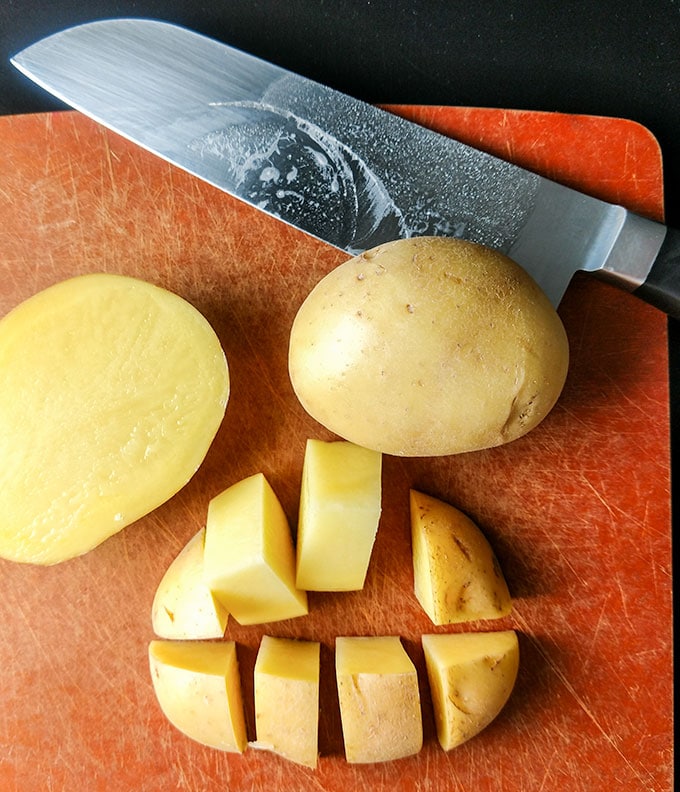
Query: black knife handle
x=662, y=286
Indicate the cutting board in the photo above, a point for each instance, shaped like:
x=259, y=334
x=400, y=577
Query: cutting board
x=578, y=511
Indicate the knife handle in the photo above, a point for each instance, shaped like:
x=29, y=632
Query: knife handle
x=662, y=285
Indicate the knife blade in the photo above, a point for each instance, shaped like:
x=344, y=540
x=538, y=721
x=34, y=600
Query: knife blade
x=335, y=167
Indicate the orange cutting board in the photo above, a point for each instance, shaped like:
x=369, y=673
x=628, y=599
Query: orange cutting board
x=578, y=511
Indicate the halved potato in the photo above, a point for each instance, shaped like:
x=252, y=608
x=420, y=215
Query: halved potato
x=183, y=606
x=111, y=392
x=198, y=687
x=428, y=346
x=471, y=678
x=457, y=577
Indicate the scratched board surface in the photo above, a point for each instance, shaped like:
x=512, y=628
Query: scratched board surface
x=578, y=510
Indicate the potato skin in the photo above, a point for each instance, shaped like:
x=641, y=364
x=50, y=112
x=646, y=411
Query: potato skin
x=426, y=347
x=456, y=575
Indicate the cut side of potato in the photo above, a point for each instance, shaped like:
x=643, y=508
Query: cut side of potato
x=111, y=392
x=457, y=577
x=379, y=699
x=249, y=558
x=198, y=687
x=287, y=699
x=471, y=678
x=183, y=606
x=340, y=503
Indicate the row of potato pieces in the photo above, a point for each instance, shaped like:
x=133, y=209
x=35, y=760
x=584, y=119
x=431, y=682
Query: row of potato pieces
x=245, y=563
x=471, y=676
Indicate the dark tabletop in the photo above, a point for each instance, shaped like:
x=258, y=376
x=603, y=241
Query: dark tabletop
x=601, y=57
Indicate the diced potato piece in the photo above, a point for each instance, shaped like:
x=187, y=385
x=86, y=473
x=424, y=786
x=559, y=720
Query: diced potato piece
x=184, y=607
x=111, y=392
x=471, y=677
x=379, y=699
x=456, y=575
x=249, y=559
x=198, y=688
x=287, y=698
x=339, y=514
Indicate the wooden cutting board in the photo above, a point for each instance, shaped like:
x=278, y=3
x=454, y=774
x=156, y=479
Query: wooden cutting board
x=578, y=510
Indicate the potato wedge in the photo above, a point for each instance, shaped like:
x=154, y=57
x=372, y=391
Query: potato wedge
x=471, y=678
x=183, y=606
x=379, y=699
x=287, y=699
x=339, y=514
x=457, y=577
x=198, y=688
x=249, y=558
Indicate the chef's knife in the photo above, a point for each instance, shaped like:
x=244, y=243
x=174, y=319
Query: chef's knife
x=344, y=171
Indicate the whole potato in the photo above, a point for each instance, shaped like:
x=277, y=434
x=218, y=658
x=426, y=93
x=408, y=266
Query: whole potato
x=428, y=346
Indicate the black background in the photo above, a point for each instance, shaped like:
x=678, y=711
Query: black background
x=598, y=57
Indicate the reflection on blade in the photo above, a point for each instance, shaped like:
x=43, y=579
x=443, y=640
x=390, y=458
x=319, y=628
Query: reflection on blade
x=288, y=167
x=436, y=185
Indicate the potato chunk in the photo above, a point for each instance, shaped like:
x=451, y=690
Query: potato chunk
x=287, y=698
x=249, y=558
x=183, y=606
x=456, y=575
x=379, y=699
x=198, y=688
x=111, y=392
x=339, y=514
x=471, y=678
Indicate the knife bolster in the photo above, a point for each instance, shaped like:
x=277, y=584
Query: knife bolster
x=661, y=288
